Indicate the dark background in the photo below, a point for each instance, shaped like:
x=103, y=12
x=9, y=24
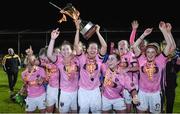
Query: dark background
x=110, y=14
x=116, y=15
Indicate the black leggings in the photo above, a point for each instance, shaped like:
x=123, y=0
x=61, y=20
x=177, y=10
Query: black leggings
x=170, y=97
x=12, y=78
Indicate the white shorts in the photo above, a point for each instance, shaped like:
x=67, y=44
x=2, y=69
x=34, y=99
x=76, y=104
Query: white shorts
x=116, y=104
x=127, y=96
x=149, y=100
x=68, y=101
x=33, y=103
x=52, y=96
x=89, y=100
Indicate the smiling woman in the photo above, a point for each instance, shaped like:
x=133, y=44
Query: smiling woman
x=18, y=16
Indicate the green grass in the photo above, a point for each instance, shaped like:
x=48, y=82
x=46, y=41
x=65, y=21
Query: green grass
x=8, y=106
x=177, y=99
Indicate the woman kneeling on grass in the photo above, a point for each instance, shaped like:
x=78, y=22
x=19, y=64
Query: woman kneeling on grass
x=33, y=78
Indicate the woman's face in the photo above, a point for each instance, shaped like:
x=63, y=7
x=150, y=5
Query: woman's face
x=143, y=46
x=92, y=50
x=44, y=58
x=122, y=47
x=112, y=61
x=151, y=54
x=66, y=50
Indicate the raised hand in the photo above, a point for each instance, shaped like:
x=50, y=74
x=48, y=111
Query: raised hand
x=55, y=33
x=147, y=31
x=168, y=27
x=97, y=28
x=29, y=51
x=162, y=26
x=77, y=23
x=135, y=24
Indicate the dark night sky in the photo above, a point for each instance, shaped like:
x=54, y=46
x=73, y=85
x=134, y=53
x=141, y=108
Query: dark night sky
x=20, y=15
x=109, y=14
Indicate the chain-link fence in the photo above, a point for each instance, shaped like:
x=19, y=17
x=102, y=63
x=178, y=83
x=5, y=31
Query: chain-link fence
x=20, y=41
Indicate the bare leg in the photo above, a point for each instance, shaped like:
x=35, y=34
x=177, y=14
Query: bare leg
x=121, y=111
x=129, y=106
x=140, y=111
x=43, y=111
x=50, y=109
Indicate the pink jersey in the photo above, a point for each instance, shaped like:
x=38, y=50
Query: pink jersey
x=114, y=83
x=89, y=72
x=52, y=73
x=150, y=77
x=69, y=74
x=130, y=59
x=30, y=78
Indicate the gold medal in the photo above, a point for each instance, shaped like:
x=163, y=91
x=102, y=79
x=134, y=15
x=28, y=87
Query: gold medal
x=70, y=69
x=150, y=69
x=91, y=67
x=109, y=78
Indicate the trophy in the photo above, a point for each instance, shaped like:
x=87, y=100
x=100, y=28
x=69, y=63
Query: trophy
x=87, y=28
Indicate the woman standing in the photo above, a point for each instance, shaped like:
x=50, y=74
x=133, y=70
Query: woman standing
x=151, y=66
x=68, y=65
x=89, y=95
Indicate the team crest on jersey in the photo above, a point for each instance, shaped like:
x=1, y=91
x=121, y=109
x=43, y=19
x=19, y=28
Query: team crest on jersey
x=116, y=79
x=157, y=107
x=61, y=104
x=132, y=84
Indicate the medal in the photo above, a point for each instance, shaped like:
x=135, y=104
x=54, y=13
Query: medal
x=150, y=69
x=109, y=80
x=70, y=69
x=91, y=67
x=27, y=76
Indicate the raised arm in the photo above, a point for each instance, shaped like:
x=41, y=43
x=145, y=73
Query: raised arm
x=163, y=29
x=103, y=43
x=136, y=49
x=173, y=44
x=76, y=40
x=29, y=53
x=134, y=25
x=54, y=35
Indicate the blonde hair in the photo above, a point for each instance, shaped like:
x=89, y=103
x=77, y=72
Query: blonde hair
x=155, y=46
x=126, y=44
